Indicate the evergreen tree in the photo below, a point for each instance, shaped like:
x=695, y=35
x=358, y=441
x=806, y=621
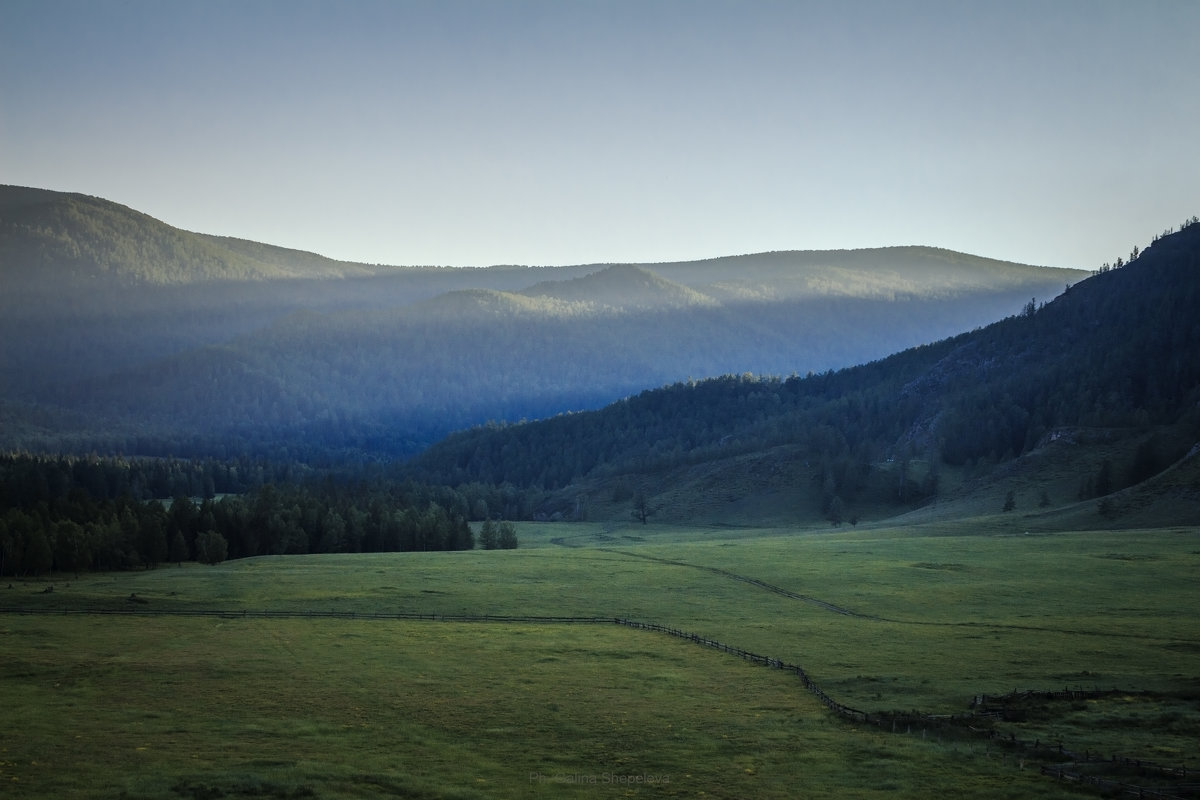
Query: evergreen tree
x=152, y=540
x=211, y=548
x=489, y=537
x=72, y=551
x=507, y=539
x=39, y=556
x=178, y=550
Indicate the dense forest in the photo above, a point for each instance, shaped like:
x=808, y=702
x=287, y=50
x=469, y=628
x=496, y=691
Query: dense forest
x=1120, y=350
x=72, y=514
x=239, y=414
x=122, y=335
x=390, y=383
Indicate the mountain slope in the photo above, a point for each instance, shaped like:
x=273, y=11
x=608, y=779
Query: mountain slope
x=140, y=332
x=467, y=357
x=1119, y=352
x=622, y=287
x=78, y=239
x=877, y=273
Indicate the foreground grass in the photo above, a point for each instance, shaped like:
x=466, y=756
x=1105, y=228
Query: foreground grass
x=472, y=710
x=164, y=708
x=945, y=615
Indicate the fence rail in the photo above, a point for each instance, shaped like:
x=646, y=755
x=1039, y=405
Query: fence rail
x=1111, y=787
x=135, y=611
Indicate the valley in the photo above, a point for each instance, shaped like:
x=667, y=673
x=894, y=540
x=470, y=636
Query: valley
x=477, y=400
x=823, y=524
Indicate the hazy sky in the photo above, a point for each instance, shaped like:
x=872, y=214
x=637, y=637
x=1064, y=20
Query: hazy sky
x=1058, y=132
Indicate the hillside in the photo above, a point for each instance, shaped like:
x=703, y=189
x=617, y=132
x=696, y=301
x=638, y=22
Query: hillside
x=1112, y=365
x=410, y=376
x=877, y=273
x=78, y=239
x=622, y=287
x=119, y=333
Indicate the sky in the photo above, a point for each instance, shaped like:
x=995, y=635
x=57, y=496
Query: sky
x=471, y=133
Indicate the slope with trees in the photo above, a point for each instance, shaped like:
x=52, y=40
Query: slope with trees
x=119, y=333
x=1118, y=352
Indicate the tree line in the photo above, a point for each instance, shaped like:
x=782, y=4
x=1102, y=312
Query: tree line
x=72, y=515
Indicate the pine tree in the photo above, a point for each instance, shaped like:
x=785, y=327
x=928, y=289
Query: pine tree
x=508, y=536
x=489, y=538
x=178, y=551
x=211, y=548
x=39, y=556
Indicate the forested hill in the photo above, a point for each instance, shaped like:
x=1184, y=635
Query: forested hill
x=71, y=239
x=622, y=287
x=1118, y=352
x=884, y=272
x=119, y=333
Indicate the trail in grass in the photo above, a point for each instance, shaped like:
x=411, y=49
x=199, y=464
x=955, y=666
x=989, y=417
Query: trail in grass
x=724, y=573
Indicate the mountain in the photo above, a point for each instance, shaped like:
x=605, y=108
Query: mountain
x=91, y=287
x=622, y=287
x=121, y=333
x=875, y=273
x=75, y=239
x=1087, y=399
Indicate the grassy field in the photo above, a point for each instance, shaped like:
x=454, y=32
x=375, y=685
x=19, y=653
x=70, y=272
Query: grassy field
x=210, y=707
x=297, y=708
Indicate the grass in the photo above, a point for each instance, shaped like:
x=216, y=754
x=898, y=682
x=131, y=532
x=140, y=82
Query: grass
x=166, y=708
x=323, y=707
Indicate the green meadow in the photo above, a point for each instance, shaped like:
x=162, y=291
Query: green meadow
x=882, y=619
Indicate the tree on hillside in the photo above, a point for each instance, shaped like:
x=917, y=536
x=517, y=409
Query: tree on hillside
x=641, y=507
x=211, y=548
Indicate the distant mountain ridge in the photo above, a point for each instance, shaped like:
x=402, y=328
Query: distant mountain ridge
x=1071, y=402
x=75, y=237
x=622, y=286
x=884, y=272
x=82, y=236
x=136, y=335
